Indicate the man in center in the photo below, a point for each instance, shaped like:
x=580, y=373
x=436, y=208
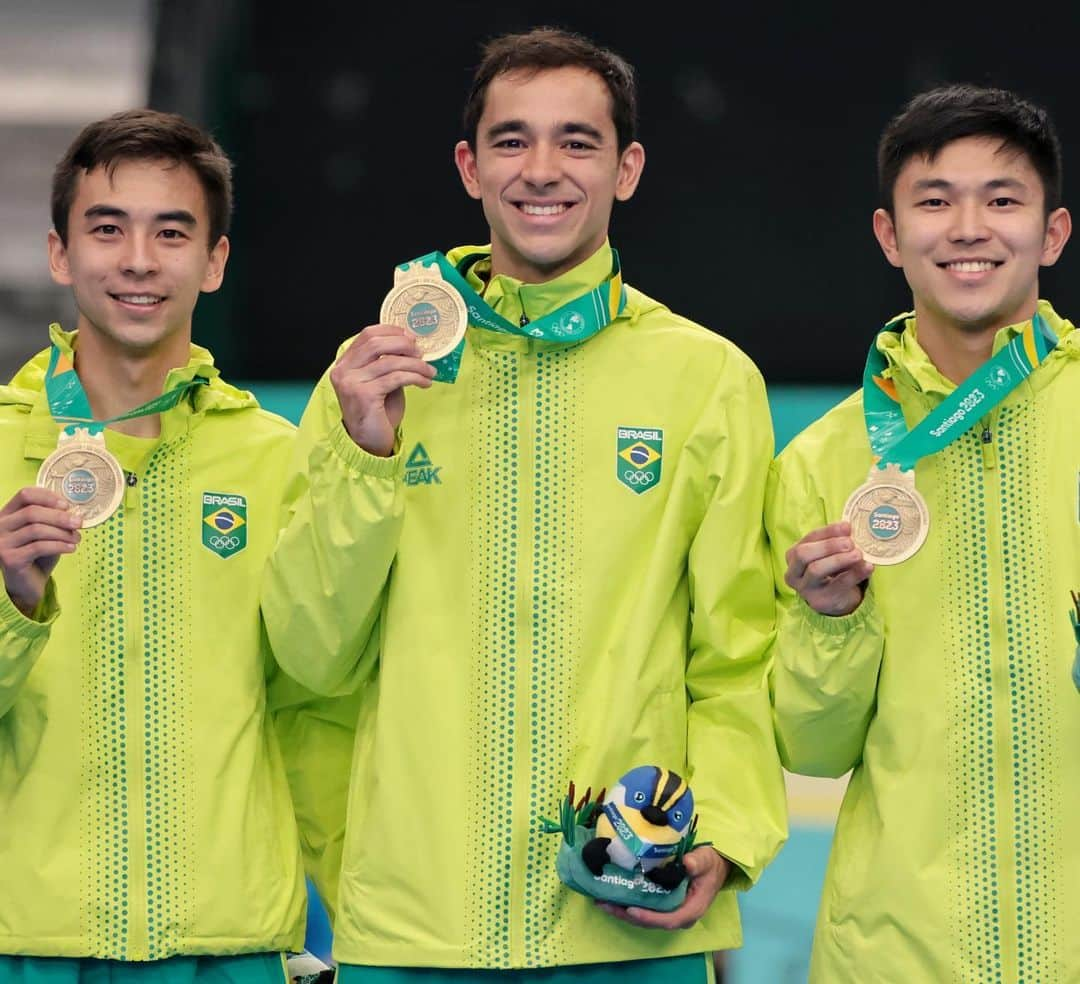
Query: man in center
x=550, y=569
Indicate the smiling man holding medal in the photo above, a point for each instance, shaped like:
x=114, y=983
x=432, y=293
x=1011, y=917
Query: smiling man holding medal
x=944, y=678
x=147, y=831
x=549, y=567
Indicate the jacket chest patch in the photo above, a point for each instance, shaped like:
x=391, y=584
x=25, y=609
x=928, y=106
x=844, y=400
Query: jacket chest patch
x=639, y=455
x=224, y=523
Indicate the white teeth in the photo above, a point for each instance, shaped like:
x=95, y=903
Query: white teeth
x=543, y=209
x=138, y=298
x=970, y=266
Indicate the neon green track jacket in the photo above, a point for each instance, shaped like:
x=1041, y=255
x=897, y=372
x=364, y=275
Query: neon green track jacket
x=520, y=609
x=144, y=809
x=948, y=690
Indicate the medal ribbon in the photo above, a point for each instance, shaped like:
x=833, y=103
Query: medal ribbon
x=995, y=379
x=69, y=405
x=575, y=321
x=636, y=846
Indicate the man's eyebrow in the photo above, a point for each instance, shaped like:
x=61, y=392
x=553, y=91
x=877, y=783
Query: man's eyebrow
x=932, y=184
x=105, y=212
x=497, y=130
x=181, y=215
x=587, y=129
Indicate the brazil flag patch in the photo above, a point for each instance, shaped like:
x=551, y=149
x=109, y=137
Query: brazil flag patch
x=639, y=455
x=224, y=523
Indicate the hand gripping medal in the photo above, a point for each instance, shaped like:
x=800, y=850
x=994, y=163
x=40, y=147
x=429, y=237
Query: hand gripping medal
x=627, y=847
x=425, y=305
x=889, y=518
x=82, y=470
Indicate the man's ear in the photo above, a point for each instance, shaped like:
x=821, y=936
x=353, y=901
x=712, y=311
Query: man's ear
x=58, y=259
x=885, y=233
x=465, y=159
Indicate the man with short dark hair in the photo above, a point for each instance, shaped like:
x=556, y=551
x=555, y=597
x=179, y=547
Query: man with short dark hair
x=550, y=569
x=926, y=536
x=147, y=830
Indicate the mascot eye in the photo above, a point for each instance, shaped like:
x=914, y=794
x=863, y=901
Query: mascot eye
x=639, y=797
x=678, y=816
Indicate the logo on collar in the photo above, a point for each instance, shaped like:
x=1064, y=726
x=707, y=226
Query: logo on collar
x=639, y=455
x=419, y=468
x=224, y=523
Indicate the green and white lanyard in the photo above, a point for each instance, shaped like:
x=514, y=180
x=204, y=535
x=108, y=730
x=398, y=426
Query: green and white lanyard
x=573, y=322
x=995, y=379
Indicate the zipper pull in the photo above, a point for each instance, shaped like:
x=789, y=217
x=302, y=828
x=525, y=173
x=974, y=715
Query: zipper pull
x=524, y=320
x=988, y=448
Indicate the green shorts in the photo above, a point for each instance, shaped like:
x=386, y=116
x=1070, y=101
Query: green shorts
x=696, y=968
x=247, y=968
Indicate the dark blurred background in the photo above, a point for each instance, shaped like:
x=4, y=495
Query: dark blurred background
x=760, y=128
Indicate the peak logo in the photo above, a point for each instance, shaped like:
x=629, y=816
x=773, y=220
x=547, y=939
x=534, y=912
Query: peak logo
x=419, y=468
x=639, y=455
x=224, y=523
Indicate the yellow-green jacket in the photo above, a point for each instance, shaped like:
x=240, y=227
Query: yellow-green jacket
x=144, y=810
x=947, y=691
x=519, y=613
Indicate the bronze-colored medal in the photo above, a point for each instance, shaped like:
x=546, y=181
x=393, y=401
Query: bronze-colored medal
x=84, y=472
x=889, y=518
x=427, y=306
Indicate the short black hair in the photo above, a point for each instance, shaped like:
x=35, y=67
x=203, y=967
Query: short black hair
x=551, y=47
x=145, y=135
x=939, y=116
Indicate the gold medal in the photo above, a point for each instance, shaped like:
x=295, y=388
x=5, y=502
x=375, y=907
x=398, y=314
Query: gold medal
x=83, y=471
x=427, y=307
x=889, y=518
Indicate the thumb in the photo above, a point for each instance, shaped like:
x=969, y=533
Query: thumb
x=697, y=862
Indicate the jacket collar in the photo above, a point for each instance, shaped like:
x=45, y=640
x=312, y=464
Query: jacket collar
x=513, y=298
x=27, y=392
x=909, y=365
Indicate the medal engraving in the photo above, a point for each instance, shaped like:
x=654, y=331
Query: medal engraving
x=427, y=307
x=889, y=518
x=82, y=470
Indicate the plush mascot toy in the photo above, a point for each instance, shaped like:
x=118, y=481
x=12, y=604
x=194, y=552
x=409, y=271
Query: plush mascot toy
x=628, y=847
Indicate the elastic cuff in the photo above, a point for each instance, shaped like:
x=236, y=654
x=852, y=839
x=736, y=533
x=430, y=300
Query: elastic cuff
x=40, y=618
x=840, y=625
x=363, y=461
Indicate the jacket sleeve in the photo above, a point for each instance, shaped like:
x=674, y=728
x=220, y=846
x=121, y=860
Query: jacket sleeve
x=325, y=582
x=316, y=736
x=824, y=668
x=737, y=781
x=22, y=640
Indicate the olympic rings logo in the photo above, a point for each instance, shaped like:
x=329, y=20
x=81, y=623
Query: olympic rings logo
x=638, y=477
x=225, y=542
